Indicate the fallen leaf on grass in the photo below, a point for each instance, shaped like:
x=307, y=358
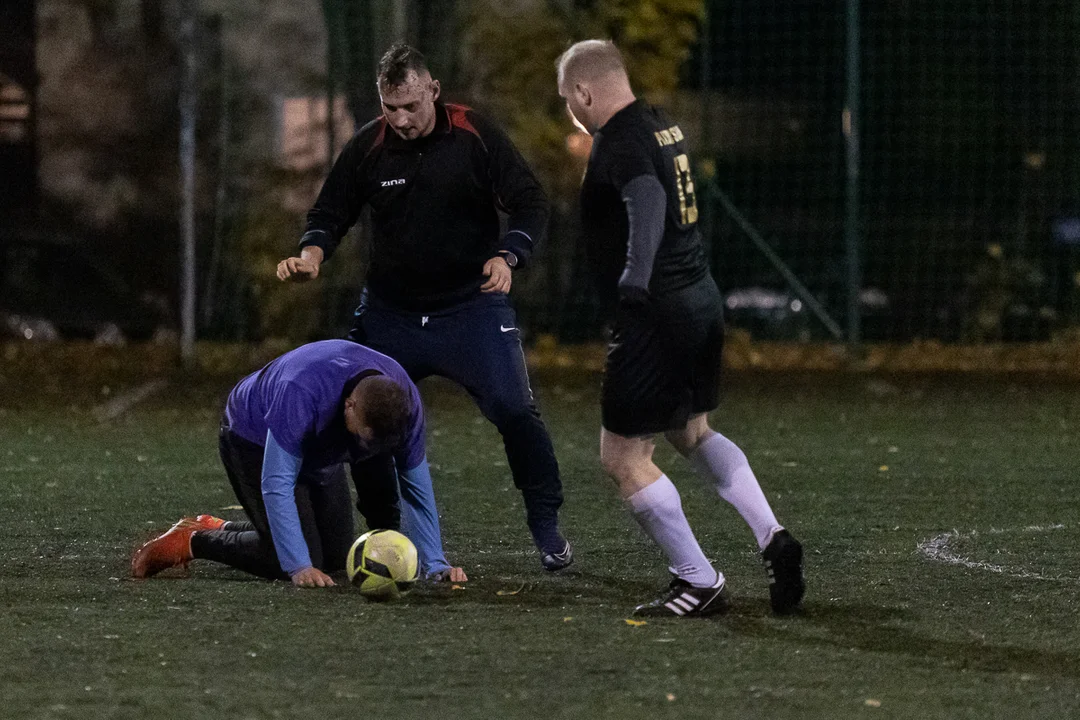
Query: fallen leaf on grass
x=233, y=507
x=510, y=592
x=670, y=697
x=635, y=623
x=871, y=702
x=457, y=587
x=567, y=619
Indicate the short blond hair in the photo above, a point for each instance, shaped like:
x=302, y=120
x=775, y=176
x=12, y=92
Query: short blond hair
x=590, y=60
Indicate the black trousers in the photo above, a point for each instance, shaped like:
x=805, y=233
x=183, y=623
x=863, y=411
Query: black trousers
x=477, y=345
x=322, y=501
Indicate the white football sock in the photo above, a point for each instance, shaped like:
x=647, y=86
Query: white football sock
x=723, y=461
x=658, y=509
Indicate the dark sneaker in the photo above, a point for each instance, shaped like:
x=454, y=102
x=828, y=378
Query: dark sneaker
x=553, y=561
x=684, y=600
x=783, y=565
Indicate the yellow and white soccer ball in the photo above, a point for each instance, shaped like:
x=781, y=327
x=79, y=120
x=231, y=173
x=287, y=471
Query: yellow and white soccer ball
x=383, y=564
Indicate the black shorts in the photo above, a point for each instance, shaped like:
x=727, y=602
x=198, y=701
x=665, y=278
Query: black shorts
x=663, y=365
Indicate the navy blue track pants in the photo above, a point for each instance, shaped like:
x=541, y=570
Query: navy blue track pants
x=477, y=344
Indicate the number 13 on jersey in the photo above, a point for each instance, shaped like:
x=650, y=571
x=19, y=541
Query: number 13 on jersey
x=687, y=197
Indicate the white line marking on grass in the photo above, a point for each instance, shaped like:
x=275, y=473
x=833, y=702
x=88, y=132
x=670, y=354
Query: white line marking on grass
x=1029, y=528
x=937, y=549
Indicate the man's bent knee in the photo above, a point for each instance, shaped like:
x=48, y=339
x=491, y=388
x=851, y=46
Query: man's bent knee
x=687, y=439
x=628, y=461
x=615, y=466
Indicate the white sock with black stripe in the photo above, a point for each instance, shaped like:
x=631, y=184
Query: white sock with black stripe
x=658, y=509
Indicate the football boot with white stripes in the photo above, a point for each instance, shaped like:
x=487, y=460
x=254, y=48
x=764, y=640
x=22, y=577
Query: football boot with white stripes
x=684, y=600
x=783, y=566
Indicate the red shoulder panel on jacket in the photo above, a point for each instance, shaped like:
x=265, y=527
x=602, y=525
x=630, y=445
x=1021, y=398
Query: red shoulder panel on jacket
x=380, y=136
x=460, y=119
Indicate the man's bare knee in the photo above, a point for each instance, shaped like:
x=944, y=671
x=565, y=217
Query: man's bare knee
x=681, y=440
x=620, y=463
x=688, y=438
x=614, y=464
x=626, y=460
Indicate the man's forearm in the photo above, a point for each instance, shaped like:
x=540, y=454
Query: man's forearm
x=517, y=192
x=339, y=202
x=646, y=205
x=279, y=473
x=527, y=225
x=420, y=518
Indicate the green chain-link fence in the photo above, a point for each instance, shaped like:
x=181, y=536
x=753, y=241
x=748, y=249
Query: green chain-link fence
x=967, y=199
x=917, y=161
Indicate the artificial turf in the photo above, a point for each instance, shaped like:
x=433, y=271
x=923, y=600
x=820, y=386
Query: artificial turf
x=939, y=517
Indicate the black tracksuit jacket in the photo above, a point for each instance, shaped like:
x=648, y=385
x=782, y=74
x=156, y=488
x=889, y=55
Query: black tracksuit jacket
x=434, y=204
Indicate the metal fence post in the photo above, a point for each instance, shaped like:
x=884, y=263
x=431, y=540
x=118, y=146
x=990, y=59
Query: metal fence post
x=188, y=110
x=851, y=119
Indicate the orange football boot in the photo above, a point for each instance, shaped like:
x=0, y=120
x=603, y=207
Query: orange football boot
x=171, y=549
x=209, y=522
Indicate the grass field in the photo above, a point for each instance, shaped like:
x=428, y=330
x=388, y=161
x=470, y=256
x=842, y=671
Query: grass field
x=939, y=516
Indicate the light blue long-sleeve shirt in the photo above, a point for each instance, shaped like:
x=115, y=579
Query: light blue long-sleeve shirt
x=279, y=473
x=420, y=516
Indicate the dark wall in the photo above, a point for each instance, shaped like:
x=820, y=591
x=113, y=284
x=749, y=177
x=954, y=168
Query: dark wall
x=18, y=81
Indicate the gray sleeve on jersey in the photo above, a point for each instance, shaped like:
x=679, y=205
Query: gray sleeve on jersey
x=646, y=210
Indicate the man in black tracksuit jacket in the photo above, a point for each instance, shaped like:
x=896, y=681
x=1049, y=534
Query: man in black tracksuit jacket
x=435, y=176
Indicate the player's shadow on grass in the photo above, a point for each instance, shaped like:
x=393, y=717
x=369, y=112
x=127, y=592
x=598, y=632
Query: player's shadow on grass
x=882, y=630
x=568, y=588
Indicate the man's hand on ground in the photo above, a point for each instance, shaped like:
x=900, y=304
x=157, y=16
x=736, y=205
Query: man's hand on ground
x=311, y=577
x=498, y=276
x=453, y=575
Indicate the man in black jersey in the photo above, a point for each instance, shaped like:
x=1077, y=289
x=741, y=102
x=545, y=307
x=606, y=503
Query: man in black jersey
x=639, y=215
x=435, y=176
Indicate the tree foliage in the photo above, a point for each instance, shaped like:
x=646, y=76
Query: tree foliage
x=510, y=51
x=655, y=37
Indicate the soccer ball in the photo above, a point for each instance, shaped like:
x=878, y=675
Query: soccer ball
x=383, y=564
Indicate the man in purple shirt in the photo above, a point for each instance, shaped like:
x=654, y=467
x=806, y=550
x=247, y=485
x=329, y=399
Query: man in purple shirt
x=286, y=432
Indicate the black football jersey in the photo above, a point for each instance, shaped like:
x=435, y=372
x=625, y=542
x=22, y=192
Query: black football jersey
x=640, y=140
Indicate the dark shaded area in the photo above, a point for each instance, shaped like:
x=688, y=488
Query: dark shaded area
x=893, y=631
x=18, y=82
x=54, y=283
x=969, y=140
